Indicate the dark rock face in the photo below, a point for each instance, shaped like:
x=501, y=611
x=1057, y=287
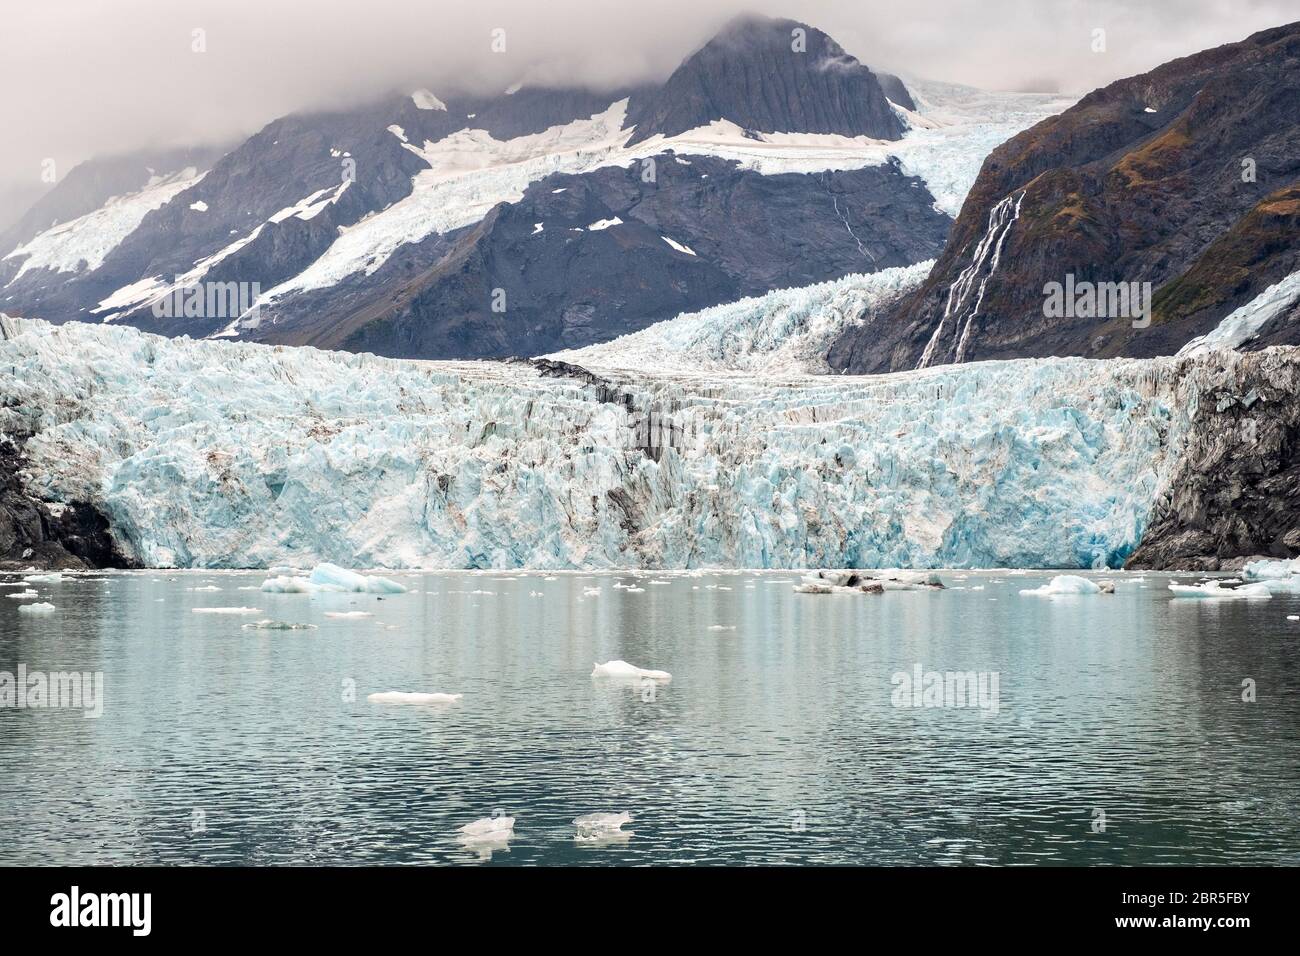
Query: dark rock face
x=752, y=74
x=1236, y=492
x=1146, y=180
x=35, y=534
x=568, y=285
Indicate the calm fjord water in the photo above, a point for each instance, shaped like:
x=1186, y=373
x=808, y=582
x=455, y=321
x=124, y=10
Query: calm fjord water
x=777, y=740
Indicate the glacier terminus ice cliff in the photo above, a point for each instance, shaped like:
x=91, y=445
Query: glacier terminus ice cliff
x=210, y=454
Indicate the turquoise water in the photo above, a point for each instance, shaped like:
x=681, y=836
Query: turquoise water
x=1120, y=734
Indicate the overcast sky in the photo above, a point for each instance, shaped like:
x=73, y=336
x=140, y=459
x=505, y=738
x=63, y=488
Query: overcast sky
x=87, y=77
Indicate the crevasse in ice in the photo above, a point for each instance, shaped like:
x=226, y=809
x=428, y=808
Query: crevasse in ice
x=217, y=454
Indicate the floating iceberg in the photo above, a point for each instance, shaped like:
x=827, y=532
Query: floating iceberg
x=601, y=827
x=52, y=578
x=40, y=608
x=1215, y=590
x=622, y=670
x=23, y=595
x=400, y=697
x=227, y=610
x=330, y=577
x=1065, y=584
x=1266, y=570
x=488, y=828
x=348, y=615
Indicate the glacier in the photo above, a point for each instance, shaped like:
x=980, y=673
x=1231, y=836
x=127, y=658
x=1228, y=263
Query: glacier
x=780, y=333
x=218, y=454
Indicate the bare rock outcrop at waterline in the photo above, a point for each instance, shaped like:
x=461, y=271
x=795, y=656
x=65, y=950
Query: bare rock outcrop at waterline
x=1236, y=491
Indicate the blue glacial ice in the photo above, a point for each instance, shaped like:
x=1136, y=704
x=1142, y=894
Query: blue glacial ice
x=218, y=454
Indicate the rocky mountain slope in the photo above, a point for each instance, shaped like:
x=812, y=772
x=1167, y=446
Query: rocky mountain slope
x=1186, y=178
x=520, y=223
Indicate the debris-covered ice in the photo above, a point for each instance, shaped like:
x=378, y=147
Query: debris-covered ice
x=600, y=827
x=267, y=624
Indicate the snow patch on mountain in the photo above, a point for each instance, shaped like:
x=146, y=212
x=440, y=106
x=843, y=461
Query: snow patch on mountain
x=424, y=100
x=217, y=454
x=83, y=243
x=785, y=332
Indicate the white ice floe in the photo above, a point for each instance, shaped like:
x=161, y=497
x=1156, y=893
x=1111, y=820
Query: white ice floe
x=39, y=608
x=401, y=697
x=1065, y=584
x=600, y=827
x=622, y=670
x=1215, y=590
x=53, y=578
x=348, y=615
x=226, y=610
x=722, y=627
x=23, y=595
x=488, y=828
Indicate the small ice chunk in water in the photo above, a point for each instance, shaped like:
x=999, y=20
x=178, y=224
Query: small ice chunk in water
x=488, y=828
x=227, y=610
x=53, y=578
x=348, y=615
x=622, y=670
x=1064, y=584
x=722, y=627
x=209, y=587
x=266, y=624
x=23, y=595
x=400, y=697
x=39, y=608
x=1214, y=589
x=601, y=826
x=591, y=592
x=1293, y=617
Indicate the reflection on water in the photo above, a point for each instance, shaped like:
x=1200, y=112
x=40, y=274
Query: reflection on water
x=1120, y=734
